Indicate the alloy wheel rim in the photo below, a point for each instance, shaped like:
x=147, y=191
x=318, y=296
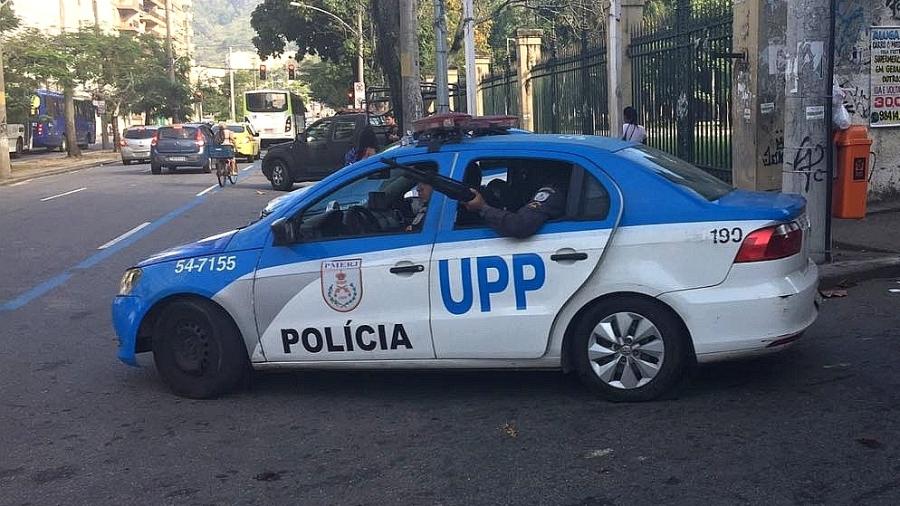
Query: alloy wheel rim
x=277, y=176
x=626, y=350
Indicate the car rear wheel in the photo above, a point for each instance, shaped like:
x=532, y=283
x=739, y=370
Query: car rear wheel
x=281, y=178
x=155, y=168
x=20, y=148
x=630, y=349
x=207, y=167
x=197, y=349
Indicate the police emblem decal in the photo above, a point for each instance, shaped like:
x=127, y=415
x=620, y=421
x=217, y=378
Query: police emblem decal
x=342, y=286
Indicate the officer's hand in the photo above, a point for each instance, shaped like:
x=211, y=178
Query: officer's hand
x=475, y=204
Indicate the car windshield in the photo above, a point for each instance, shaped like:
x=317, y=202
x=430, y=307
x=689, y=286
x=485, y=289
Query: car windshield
x=139, y=133
x=267, y=102
x=178, y=133
x=678, y=171
x=238, y=129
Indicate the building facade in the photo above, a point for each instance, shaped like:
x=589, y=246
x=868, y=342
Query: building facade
x=127, y=16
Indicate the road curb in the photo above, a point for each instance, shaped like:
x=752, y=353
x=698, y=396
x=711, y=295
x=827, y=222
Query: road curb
x=859, y=270
x=61, y=170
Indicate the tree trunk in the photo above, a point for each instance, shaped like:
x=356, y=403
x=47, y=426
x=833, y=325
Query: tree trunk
x=71, y=137
x=387, y=21
x=114, y=117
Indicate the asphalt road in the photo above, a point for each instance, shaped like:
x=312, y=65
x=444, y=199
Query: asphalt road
x=817, y=424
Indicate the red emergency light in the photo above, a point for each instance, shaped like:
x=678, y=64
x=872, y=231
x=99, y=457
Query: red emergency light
x=450, y=121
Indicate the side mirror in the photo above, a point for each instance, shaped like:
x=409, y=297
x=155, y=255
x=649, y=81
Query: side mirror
x=283, y=232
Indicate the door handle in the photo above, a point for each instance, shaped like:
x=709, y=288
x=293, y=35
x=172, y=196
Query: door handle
x=402, y=269
x=570, y=257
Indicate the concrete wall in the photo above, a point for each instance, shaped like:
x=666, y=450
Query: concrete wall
x=852, y=70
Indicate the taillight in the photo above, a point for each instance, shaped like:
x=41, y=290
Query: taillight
x=771, y=243
x=155, y=140
x=287, y=124
x=200, y=140
x=39, y=129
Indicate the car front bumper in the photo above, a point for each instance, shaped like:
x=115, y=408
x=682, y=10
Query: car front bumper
x=127, y=313
x=751, y=313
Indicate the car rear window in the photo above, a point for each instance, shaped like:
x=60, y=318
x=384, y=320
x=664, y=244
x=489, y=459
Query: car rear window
x=238, y=129
x=178, y=133
x=678, y=171
x=139, y=133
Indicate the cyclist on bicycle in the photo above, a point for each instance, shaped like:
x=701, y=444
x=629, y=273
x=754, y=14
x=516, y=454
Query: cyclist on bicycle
x=225, y=137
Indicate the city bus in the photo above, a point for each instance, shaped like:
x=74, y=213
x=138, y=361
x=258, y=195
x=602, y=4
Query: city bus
x=278, y=115
x=48, y=121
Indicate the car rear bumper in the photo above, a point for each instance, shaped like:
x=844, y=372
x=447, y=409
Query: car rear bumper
x=135, y=154
x=181, y=159
x=752, y=312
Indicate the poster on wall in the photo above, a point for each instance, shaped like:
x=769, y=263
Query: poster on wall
x=885, y=96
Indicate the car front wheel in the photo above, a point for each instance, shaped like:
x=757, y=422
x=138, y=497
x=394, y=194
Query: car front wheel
x=630, y=349
x=281, y=178
x=197, y=349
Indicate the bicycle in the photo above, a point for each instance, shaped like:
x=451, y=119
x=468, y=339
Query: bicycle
x=223, y=156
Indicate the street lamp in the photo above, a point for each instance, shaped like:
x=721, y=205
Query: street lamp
x=358, y=31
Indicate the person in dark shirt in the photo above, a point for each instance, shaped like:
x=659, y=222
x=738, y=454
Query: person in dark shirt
x=420, y=206
x=546, y=204
x=366, y=143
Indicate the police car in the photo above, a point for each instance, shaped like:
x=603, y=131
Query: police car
x=653, y=266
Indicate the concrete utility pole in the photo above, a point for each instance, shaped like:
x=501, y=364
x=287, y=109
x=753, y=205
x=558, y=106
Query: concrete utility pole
x=807, y=97
x=104, y=136
x=409, y=64
x=360, y=63
x=231, y=82
x=62, y=16
x=440, y=60
x=471, y=75
x=170, y=53
x=5, y=168
x=613, y=30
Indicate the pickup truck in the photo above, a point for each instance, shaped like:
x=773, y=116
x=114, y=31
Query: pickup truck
x=317, y=151
x=15, y=132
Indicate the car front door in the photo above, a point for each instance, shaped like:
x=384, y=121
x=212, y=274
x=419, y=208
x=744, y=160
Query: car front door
x=343, y=136
x=354, y=286
x=497, y=297
x=311, y=152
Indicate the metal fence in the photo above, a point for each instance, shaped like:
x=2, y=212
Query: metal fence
x=681, y=77
x=570, y=92
x=501, y=92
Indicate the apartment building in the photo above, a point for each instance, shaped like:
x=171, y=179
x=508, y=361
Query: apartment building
x=133, y=16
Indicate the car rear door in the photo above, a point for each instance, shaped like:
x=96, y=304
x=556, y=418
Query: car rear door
x=343, y=137
x=498, y=297
x=311, y=153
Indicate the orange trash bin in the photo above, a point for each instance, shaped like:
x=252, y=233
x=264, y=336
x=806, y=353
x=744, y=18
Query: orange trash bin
x=851, y=186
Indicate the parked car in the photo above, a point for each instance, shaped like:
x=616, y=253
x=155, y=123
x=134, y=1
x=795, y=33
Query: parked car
x=15, y=132
x=246, y=140
x=135, y=144
x=317, y=151
x=184, y=145
x=653, y=265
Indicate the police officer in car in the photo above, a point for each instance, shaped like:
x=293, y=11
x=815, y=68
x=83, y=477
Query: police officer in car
x=546, y=204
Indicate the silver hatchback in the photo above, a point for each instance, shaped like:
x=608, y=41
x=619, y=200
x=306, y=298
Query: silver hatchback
x=135, y=144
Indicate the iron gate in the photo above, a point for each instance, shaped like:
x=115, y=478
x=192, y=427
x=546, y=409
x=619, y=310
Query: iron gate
x=681, y=77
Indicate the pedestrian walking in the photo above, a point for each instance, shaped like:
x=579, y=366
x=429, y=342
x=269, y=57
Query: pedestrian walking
x=631, y=130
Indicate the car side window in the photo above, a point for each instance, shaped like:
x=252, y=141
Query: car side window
x=378, y=203
x=511, y=183
x=318, y=132
x=343, y=130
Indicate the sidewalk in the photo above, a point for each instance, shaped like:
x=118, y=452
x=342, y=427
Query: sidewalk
x=36, y=165
x=866, y=248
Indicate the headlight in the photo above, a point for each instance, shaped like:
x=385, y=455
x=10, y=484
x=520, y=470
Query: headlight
x=129, y=280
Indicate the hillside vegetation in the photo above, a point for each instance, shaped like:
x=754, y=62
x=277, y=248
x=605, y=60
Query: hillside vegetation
x=219, y=24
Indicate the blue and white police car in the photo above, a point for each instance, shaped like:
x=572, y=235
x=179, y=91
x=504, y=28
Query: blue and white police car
x=654, y=265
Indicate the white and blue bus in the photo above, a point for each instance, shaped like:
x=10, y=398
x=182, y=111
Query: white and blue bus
x=278, y=115
x=48, y=121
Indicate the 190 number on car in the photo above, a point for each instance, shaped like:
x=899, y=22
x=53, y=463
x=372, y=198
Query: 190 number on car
x=726, y=235
x=206, y=264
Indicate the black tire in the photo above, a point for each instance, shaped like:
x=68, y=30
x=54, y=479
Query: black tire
x=258, y=155
x=220, y=175
x=64, y=145
x=208, y=167
x=155, y=168
x=127, y=162
x=197, y=349
x=173, y=168
x=281, y=176
x=671, y=333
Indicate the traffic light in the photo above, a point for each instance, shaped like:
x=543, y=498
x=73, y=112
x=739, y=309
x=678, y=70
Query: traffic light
x=291, y=72
x=262, y=72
